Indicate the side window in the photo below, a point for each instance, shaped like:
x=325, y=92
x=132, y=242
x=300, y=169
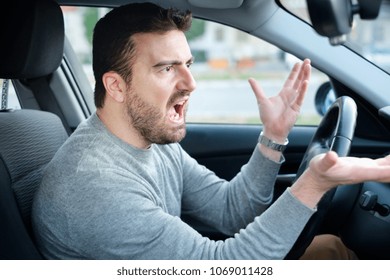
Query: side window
x=224, y=60
x=8, y=97
x=79, y=24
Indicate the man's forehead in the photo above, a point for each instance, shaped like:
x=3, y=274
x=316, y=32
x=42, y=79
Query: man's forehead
x=169, y=45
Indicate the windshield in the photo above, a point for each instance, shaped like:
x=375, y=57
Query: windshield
x=369, y=38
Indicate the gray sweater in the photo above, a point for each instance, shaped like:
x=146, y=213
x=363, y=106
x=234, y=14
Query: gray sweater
x=101, y=198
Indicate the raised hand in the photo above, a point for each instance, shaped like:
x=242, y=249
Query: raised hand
x=279, y=113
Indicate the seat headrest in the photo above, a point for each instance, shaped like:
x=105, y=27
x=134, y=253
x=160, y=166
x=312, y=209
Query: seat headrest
x=33, y=33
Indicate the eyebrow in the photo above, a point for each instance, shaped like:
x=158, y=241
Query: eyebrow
x=172, y=62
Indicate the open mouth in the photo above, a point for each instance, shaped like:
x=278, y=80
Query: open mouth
x=177, y=111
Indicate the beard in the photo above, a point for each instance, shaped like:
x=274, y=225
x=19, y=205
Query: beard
x=151, y=123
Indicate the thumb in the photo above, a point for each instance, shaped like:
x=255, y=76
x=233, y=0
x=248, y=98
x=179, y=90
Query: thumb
x=257, y=89
x=326, y=161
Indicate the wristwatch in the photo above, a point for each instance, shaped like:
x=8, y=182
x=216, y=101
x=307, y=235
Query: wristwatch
x=272, y=144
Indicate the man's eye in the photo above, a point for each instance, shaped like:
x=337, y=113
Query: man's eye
x=168, y=68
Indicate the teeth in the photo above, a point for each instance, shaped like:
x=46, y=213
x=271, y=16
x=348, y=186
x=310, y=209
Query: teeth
x=175, y=117
x=178, y=109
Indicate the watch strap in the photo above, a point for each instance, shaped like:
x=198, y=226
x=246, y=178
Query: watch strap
x=272, y=144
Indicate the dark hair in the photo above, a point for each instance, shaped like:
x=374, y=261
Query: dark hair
x=113, y=47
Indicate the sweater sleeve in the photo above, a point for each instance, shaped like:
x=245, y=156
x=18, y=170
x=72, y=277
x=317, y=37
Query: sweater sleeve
x=134, y=227
x=228, y=206
x=97, y=217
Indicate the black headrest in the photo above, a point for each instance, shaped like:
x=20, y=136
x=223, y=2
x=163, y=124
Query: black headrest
x=33, y=38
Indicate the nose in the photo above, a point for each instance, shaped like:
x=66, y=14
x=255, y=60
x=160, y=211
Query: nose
x=186, y=80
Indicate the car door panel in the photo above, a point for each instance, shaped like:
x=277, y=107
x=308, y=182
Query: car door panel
x=225, y=148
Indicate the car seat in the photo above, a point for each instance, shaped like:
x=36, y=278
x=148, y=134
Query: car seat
x=28, y=138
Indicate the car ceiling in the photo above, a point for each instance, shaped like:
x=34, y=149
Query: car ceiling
x=230, y=12
x=215, y=4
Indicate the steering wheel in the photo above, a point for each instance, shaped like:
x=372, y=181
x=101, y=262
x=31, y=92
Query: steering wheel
x=334, y=133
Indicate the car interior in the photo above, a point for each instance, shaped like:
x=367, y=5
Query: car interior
x=29, y=138
x=55, y=96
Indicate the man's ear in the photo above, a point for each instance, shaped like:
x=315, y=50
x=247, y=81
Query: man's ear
x=115, y=86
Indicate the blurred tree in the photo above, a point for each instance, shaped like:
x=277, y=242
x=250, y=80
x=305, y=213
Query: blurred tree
x=91, y=16
x=197, y=29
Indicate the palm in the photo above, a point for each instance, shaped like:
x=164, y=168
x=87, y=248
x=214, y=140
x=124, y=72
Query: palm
x=279, y=113
x=349, y=170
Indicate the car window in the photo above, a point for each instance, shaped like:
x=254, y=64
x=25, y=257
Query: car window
x=224, y=60
x=8, y=97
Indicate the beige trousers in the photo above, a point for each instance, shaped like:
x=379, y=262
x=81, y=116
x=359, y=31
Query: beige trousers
x=328, y=247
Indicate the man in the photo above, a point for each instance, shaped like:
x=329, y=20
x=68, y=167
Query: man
x=118, y=186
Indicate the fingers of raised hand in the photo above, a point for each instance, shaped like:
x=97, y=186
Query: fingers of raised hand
x=297, y=84
x=299, y=73
x=303, y=74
